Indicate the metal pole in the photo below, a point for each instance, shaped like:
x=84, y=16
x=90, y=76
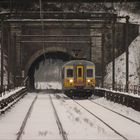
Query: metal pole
x=90, y=49
x=11, y=4
x=42, y=26
x=113, y=55
x=14, y=54
x=127, y=53
x=9, y=46
x=2, y=53
x=103, y=40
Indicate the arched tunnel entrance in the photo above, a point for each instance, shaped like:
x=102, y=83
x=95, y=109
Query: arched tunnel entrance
x=46, y=68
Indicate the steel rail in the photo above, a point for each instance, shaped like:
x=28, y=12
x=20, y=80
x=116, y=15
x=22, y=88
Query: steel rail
x=60, y=127
x=115, y=112
x=99, y=119
x=102, y=121
x=19, y=134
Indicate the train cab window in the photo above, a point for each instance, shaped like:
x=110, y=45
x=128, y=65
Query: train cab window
x=79, y=72
x=89, y=72
x=69, y=73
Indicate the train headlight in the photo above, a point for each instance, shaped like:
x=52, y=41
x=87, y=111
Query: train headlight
x=71, y=80
x=88, y=80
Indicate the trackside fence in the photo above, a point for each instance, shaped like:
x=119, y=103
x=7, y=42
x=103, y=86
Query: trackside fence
x=132, y=89
x=8, y=98
x=119, y=95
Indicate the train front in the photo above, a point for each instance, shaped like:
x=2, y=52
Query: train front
x=79, y=78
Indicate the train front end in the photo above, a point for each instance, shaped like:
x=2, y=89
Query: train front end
x=78, y=78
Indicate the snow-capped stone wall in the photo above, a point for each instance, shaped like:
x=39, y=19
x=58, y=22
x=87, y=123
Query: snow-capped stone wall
x=120, y=66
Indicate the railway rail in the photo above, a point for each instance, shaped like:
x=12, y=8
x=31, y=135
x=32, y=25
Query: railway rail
x=96, y=120
x=115, y=112
x=117, y=130
x=121, y=135
x=19, y=134
x=28, y=114
x=60, y=127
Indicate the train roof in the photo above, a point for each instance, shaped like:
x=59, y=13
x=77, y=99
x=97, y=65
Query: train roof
x=82, y=62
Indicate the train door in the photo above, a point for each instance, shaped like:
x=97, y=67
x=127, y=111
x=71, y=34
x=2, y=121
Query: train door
x=80, y=75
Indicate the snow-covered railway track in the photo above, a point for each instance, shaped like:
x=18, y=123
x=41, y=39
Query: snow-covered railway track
x=56, y=116
x=25, y=121
x=119, y=124
x=41, y=121
x=117, y=132
x=82, y=121
x=59, y=124
x=115, y=112
x=19, y=134
x=125, y=128
x=93, y=114
x=11, y=121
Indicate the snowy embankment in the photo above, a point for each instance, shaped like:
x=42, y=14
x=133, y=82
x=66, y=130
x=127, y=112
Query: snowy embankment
x=120, y=66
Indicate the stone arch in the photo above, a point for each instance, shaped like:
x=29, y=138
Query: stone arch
x=41, y=52
x=29, y=69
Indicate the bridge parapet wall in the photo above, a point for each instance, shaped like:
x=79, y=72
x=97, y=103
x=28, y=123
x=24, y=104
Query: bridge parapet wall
x=130, y=100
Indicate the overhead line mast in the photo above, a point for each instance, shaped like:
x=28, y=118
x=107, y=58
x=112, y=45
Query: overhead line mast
x=42, y=26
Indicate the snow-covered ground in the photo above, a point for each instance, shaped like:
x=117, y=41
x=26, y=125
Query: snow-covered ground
x=11, y=121
x=41, y=124
x=77, y=122
x=127, y=128
x=122, y=109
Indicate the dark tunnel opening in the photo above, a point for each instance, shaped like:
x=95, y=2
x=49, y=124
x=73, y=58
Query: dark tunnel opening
x=51, y=60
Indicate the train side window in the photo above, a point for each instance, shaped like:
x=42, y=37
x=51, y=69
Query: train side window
x=69, y=73
x=89, y=72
